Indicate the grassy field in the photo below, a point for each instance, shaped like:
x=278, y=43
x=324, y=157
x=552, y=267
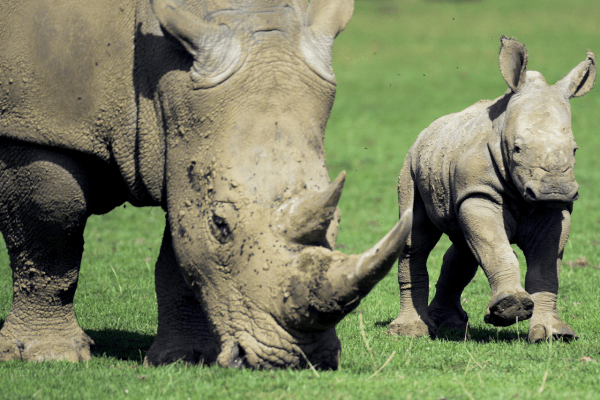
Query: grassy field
x=399, y=66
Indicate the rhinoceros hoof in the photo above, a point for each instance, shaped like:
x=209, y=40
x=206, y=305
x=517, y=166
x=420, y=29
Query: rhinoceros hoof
x=55, y=348
x=169, y=351
x=508, y=308
x=556, y=330
x=413, y=327
x=450, y=318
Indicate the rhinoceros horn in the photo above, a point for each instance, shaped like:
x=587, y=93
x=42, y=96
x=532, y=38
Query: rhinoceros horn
x=353, y=278
x=217, y=53
x=333, y=283
x=306, y=219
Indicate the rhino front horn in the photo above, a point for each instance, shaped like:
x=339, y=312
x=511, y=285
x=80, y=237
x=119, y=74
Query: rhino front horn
x=331, y=284
x=360, y=273
x=306, y=220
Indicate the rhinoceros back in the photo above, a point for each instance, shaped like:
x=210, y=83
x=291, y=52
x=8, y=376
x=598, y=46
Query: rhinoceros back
x=66, y=72
x=438, y=155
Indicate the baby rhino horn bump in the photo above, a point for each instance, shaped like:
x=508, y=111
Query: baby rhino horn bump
x=309, y=219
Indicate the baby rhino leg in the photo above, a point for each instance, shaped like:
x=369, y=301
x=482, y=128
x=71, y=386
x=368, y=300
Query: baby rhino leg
x=543, y=241
x=413, y=278
x=458, y=269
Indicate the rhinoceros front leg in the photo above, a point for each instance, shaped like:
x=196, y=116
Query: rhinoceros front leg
x=183, y=330
x=458, y=269
x=43, y=210
x=483, y=224
x=542, y=240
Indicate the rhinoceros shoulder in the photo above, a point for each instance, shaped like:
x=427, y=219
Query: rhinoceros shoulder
x=66, y=72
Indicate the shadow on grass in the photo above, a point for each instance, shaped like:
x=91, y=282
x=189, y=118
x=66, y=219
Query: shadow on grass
x=478, y=334
x=123, y=345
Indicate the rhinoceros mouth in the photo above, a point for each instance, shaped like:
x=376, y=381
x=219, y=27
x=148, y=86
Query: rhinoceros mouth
x=551, y=197
x=251, y=337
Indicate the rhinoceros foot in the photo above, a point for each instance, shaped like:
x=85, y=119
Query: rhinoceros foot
x=189, y=350
x=507, y=308
x=74, y=348
x=449, y=317
x=413, y=327
x=550, y=328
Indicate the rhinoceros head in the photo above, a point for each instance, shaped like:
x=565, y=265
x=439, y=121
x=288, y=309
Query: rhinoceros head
x=537, y=140
x=252, y=211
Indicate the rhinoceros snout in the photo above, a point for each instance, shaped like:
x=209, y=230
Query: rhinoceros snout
x=551, y=194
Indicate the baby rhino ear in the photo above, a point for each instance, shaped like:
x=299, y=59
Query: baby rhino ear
x=513, y=62
x=581, y=78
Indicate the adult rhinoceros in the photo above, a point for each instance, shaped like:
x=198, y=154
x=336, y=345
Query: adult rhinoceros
x=496, y=173
x=214, y=111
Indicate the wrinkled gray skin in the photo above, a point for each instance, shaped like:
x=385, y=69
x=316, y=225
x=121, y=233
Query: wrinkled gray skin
x=497, y=173
x=214, y=111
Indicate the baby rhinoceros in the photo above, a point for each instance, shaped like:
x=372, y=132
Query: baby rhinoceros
x=497, y=173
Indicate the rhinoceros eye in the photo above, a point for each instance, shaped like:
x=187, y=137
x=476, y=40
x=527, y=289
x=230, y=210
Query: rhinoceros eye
x=517, y=149
x=220, y=229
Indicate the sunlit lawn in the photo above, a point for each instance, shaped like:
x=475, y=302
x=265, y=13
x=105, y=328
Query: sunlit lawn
x=399, y=66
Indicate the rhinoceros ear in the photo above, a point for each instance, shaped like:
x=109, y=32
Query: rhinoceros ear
x=329, y=17
x=581, y=78
x=324, y=20
x=513, y=62
x=217, y=54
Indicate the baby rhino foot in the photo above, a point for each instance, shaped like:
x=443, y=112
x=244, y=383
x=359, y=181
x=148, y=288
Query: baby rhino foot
x=46, y=348
x=451, y=318
x=507, y=308
x=414, y=327
x=541, y=329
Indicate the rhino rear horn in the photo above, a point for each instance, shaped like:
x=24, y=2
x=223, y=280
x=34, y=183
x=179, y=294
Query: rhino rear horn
x=513, y=62
x=217, y=53
x=307, y=220
x=581, y=78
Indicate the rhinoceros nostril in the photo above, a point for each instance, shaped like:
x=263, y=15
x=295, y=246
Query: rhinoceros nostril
x=237, y=357
x=530, y=193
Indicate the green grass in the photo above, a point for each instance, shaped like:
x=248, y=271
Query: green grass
x=399, y=66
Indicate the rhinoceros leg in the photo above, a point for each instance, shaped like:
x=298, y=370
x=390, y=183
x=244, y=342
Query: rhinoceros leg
x=43, y=209
x=484, y=226
x=413, y=278
x=458, y=269
x=183, y=330
x=542, y=240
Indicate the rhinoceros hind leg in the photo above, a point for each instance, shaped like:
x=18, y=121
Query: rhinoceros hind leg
x=458, y=269
x=507, y=308
x=184, y=333
x=413, y=278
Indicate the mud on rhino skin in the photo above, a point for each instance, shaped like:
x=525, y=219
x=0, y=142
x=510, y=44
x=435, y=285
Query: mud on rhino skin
x=213, y=110
x=496, y=173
